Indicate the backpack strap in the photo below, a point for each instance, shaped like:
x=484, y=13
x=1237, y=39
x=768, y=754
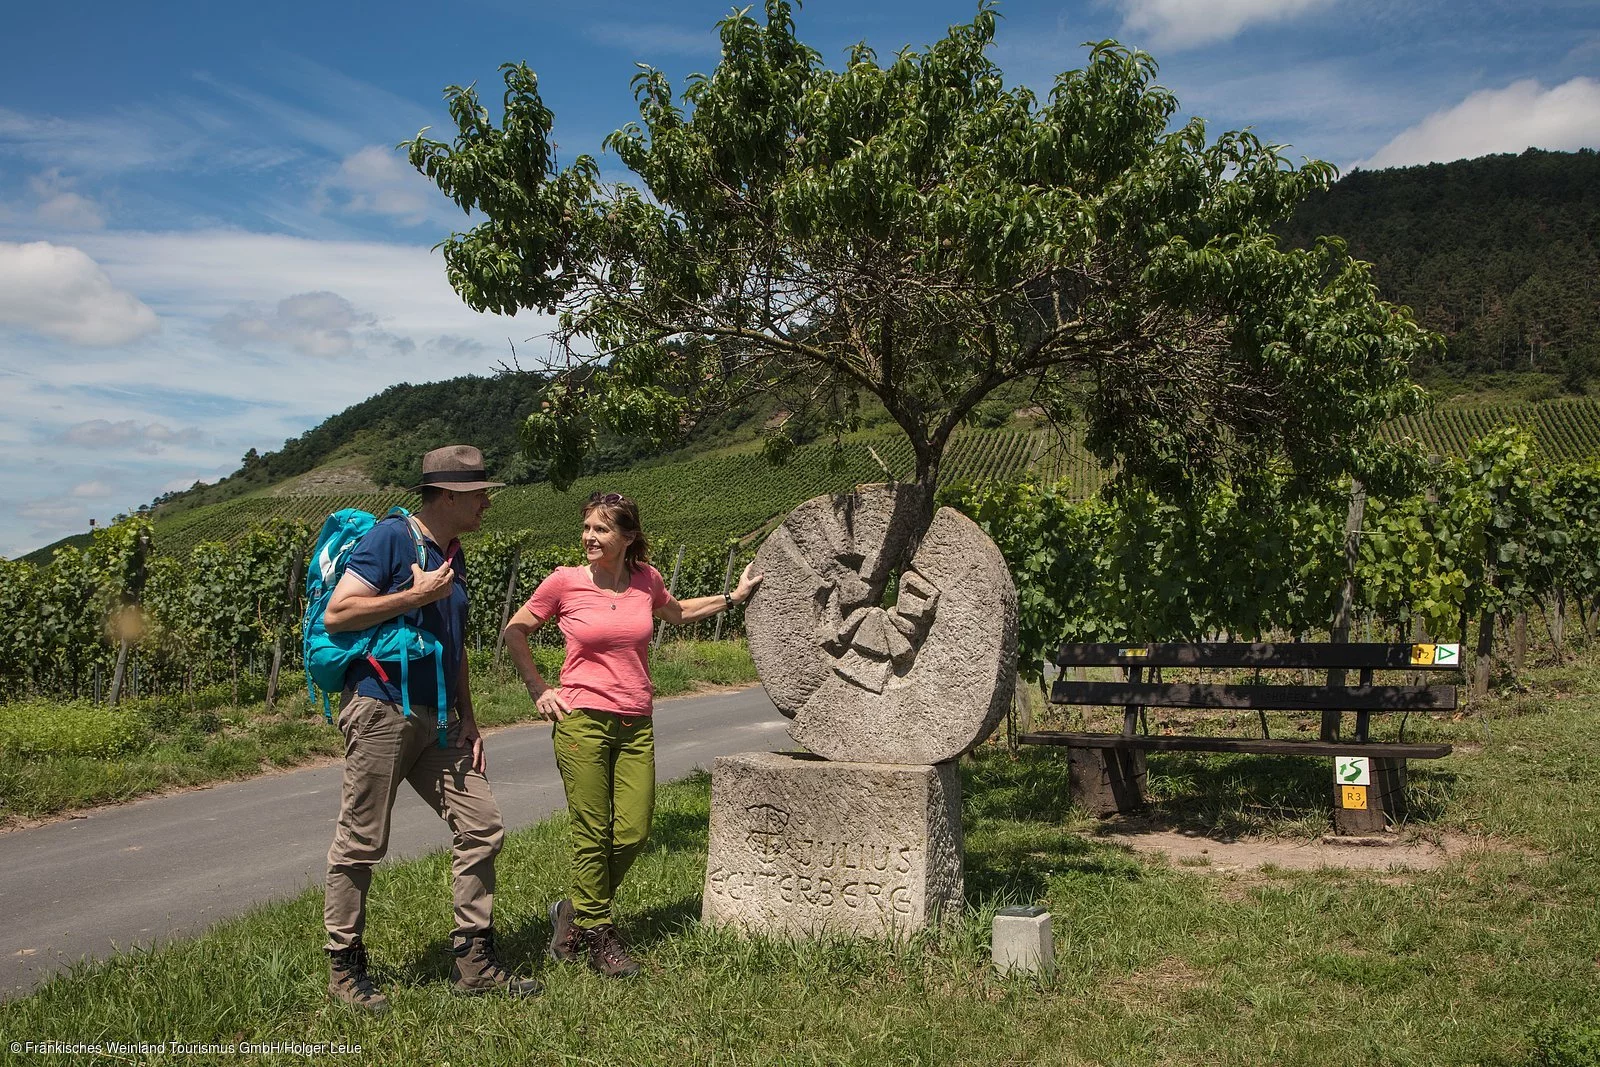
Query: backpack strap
x=438, y=653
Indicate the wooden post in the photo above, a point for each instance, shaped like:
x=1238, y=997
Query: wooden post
x=1340, y=631
x=291, y=602
x=118, y=674
x=727, y=579
x=672, y=588
x=1519, y=641
x=1483, y=658
x=1373, y=807
x=1558, y=622
x=505, y=608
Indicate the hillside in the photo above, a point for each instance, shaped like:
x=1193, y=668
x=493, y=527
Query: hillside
x=1500, y=254
x=705, y=500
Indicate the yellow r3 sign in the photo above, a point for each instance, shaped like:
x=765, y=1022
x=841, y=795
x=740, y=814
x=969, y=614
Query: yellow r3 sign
x=1353, y=797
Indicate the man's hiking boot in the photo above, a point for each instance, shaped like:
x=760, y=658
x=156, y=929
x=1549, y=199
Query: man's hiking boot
x=566, y=940
x=607, y=954
x=348, y=979
x=477, y=969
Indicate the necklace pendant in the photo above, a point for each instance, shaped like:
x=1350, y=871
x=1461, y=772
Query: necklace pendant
x=613, y=607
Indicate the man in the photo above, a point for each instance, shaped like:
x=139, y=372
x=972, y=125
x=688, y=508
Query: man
x=383, y=580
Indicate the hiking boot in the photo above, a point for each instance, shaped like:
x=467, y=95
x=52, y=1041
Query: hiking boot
x=566, y=940
x=348, y=979
x=477, y=969
x=607, y=954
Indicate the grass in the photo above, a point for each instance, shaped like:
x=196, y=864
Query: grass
x=1493, y=959
x=206, y=738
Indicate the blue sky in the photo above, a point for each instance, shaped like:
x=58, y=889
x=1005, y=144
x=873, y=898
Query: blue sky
x=208, y=244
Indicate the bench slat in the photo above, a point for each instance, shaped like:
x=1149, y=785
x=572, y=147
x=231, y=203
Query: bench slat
x=1252, y=745
x=1353, y=656
x=1252, y=697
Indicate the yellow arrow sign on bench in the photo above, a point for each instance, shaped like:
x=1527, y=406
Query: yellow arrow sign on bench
x=1430, y=655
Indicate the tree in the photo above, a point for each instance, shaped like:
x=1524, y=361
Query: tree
x=921, y=233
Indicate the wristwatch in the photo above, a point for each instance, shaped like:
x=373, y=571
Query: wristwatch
x=727, y=601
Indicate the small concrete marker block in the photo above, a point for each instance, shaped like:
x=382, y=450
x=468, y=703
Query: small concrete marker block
x=1022, y=941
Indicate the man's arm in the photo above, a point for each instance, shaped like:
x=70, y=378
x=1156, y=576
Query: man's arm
x=355, y=605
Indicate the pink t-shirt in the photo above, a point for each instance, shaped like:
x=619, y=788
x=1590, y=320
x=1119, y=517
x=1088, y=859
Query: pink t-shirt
x=608, y=637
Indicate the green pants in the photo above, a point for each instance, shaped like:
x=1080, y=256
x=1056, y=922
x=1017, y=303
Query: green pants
x=608, y=765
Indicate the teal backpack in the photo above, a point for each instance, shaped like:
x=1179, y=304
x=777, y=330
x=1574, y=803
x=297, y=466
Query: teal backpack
x=327, y=656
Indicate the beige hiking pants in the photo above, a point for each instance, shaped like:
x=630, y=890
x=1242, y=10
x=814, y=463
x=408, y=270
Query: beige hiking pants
x=382, y=747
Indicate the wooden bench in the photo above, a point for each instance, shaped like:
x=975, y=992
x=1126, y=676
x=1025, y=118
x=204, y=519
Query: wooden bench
x=1108, y=770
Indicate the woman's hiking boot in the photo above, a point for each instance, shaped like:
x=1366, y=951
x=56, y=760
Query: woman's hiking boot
x=607, y=954
x=566, y=940
x=349, y=981
x=477, y=969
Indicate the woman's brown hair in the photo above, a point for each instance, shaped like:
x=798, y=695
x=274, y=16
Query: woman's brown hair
x=623, y=514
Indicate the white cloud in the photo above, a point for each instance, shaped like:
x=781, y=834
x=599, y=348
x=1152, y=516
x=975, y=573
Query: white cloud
x=377, y=181
x=91, y=490
x=52, y=511
x=185, y=404
x=60, y=292
x=61, y=205
x=1179, y=24
x=651, y=41
x=1522, y=115
x=316, y=324
x=130, y=434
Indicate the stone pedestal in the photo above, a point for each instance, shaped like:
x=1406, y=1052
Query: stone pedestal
x=802, y=846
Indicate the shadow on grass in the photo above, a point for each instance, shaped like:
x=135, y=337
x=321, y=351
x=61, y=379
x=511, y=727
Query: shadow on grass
x=679, y=830
x=521, y=948
x=662, y=922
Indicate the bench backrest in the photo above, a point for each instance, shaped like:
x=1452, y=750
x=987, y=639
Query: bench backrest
x=1427, y=656
x=1363, y=697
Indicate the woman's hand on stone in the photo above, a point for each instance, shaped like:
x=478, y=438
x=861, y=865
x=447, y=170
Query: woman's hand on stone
x=747, y=584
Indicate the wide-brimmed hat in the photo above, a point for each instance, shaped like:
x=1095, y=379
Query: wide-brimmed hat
x=458, y=468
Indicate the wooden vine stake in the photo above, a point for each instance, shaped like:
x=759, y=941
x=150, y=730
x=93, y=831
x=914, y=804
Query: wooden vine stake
x=291, y=604
x=727, y=579
x=505, y=608
x=672, y=588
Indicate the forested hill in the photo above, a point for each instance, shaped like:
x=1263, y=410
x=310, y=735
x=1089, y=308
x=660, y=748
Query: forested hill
x=1500, y=254
x=384, y=435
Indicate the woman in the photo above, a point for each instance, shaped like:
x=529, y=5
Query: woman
x=604, y=741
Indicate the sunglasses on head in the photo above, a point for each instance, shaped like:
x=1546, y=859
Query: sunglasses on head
x=606, y=498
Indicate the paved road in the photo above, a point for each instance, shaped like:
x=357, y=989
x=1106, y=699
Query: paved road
x=167, y=867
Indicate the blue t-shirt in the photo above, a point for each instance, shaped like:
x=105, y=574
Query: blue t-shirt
x=383, y=560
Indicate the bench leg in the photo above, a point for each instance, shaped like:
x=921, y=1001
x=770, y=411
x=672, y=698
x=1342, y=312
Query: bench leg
x=1375, y=807
x=1107, y=781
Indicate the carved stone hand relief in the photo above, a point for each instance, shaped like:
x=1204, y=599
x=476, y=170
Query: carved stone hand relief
x=919, y=681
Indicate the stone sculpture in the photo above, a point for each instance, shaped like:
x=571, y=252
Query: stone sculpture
x=861, y=834
x=920, y=681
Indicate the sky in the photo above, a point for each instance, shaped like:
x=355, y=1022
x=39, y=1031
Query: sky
x=209, y=244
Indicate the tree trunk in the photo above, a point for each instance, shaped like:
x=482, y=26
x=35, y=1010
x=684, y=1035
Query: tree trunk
x=1340, y=630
